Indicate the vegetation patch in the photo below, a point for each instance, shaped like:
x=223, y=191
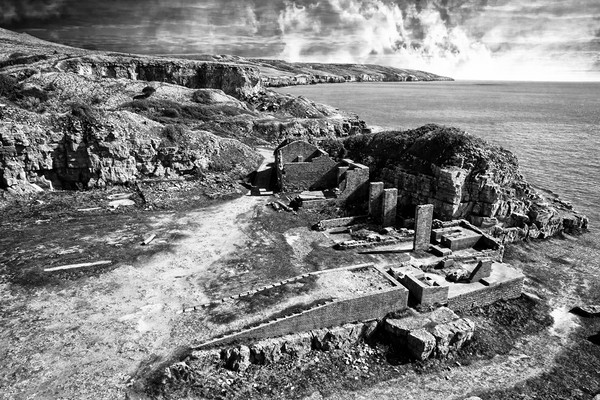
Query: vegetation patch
x=170, y=112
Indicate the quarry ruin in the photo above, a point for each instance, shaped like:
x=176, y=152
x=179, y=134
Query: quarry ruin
x=453, y=265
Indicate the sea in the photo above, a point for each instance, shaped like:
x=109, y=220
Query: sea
x=552, y=127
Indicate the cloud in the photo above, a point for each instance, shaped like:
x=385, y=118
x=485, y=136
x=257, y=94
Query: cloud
x=511, y=39
x=508, y=39
x=13, y=11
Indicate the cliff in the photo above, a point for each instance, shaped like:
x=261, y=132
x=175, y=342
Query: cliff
x=276, y=73
x=463, y=177
x=77, y=118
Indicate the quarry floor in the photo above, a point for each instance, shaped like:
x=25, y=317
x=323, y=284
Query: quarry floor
x=93, y=333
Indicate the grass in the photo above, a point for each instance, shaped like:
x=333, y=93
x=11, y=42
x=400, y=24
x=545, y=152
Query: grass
x=171, y=112
x=277, y=294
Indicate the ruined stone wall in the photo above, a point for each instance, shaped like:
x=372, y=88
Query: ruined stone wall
x=455, y=192
x=355, y=184
x=290, y=152
x=487, y=295
x=423, y=293
x=363, y=308
x=318, y=174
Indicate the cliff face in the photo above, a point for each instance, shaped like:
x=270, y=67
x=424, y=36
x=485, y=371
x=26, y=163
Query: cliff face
x=90, y=148
x=78, y=118
x=276, y=73
x=463, y=177
x=236, y=80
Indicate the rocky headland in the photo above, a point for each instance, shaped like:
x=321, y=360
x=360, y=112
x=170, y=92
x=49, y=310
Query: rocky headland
x=98, y=124
x=73, y=118
x=464, y=177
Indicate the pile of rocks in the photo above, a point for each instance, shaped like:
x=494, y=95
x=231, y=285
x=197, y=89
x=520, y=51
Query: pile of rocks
x=433, y=334
x=270, y=351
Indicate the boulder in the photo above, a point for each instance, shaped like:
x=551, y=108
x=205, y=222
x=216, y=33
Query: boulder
x=442, y=315
x=420, y=344
x=265, y=352
x=399, y=328
x=297, y=345
x=237, y=358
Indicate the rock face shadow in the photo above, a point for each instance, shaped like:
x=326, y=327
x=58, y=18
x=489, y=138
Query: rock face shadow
x=595, y=339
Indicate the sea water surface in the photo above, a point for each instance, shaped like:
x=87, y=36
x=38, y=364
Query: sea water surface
x=553, y=128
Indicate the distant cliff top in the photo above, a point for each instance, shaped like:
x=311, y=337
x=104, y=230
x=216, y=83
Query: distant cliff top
x=284, y=73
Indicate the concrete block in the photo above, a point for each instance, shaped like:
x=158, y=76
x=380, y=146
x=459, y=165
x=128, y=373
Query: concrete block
x=423, y=222
x=482, y=270
x=440, y=251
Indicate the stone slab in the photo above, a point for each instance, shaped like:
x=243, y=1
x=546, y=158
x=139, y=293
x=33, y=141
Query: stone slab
x=423, y=222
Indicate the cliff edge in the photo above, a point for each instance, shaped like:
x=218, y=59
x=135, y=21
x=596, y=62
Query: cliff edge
x=463, y=177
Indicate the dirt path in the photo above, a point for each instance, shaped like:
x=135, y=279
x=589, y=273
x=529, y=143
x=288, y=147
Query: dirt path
x=86, y=339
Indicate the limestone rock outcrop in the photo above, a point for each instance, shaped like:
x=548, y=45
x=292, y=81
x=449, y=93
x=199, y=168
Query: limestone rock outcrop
x=238, y=80
x=73, y=118
x=96, y=148
x=463, y=177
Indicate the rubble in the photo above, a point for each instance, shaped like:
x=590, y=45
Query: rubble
x=434, y=334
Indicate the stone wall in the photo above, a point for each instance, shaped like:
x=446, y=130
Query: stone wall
x=361, y=308
x=303, y=166
x=353, y=182
x=423, y=293
x=318, y=174
x=485, y=295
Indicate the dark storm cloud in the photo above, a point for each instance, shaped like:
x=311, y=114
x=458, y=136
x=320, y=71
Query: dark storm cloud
x=14, y=11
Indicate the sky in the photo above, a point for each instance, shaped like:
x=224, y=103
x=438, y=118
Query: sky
x=464, y=39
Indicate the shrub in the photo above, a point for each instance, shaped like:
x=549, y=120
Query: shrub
x=335, y=148
x=9, y=87
x=171, y=113
x=202, y=96
x=174, y=135
x=17, y=54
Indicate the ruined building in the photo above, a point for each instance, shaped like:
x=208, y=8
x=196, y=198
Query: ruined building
x=301, y=166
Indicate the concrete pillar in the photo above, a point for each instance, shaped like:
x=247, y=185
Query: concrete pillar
x=375, y=200
x=423, y=221
x=390, y=203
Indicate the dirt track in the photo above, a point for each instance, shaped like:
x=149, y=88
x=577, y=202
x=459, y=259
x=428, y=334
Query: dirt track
x=85, y=338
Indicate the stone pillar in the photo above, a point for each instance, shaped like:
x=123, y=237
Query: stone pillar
x=423, y=221
x=375, y=200
x=390, y=203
